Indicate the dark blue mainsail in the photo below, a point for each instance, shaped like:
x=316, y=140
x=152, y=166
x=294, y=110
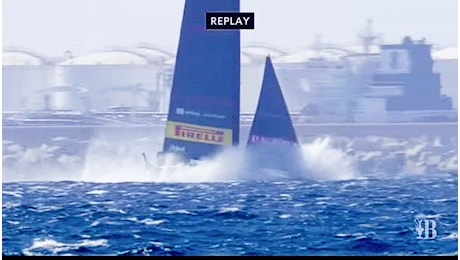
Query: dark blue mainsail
x=272, y=141
x=204, y=104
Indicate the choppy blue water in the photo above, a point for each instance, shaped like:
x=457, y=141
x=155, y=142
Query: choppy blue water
x=351, y=217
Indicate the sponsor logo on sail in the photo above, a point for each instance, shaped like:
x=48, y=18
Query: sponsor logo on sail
x=183, y=112
x=199, y=134
x=214, y=116
x=254, y=139
x=176, y=148
x=180, y=111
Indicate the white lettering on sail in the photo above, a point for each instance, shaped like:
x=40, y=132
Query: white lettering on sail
x=192, y=113
x=180, y=111
x=183, y=111
x=176, y=148
x=254, y=139
x=215, y=116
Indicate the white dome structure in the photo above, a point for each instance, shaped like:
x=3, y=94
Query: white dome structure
x=21, y=58
x=257, y=52
x=327, y=54
x=450, y=53
x=113, y=79
x=25, y=74
x=152, y=53
x=253, y=57
x=116, y=57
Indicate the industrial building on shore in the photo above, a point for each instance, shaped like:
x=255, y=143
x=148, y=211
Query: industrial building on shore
x=138, y=78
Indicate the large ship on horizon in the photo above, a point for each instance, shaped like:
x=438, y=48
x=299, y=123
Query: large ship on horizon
x=400, y=86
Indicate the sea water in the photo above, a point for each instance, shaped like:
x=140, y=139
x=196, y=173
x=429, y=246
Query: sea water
x=350, y=217
x=358, y=199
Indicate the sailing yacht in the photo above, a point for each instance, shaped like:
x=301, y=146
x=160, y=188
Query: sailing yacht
x=272, y=142
x=204, y=108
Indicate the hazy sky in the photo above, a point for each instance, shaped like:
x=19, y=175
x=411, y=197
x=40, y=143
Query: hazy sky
x=50, y=27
